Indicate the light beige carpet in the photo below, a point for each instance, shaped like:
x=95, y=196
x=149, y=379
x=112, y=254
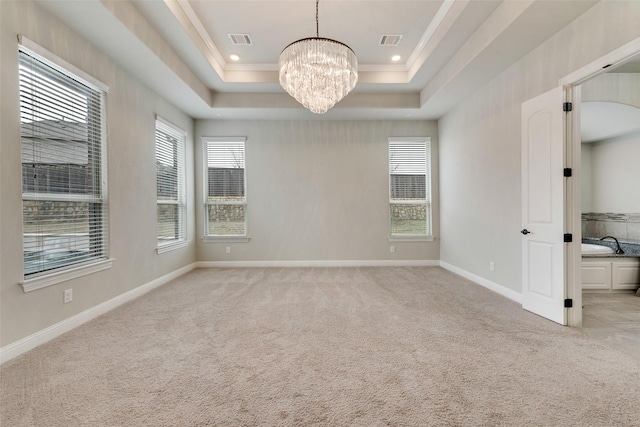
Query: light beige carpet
x=321, y=346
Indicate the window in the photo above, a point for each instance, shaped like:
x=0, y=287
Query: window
x=225, y=187
x=63, y=168
x=171, y=186
x=410, y=186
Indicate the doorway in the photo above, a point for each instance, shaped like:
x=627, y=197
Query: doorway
x=610, y=202
x=625, y=58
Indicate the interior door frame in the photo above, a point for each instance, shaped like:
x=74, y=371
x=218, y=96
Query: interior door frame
x=573, y=198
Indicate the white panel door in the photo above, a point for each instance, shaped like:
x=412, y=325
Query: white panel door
x=543, y=285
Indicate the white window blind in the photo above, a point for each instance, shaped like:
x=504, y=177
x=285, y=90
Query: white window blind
x=63, y=173
x=225, y=186
x=410, y=186
x=171, y=183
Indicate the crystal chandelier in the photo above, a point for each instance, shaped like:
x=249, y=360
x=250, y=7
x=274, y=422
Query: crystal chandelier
x=318, y=72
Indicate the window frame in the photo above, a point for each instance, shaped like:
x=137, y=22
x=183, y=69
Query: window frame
x=427, y=202
x=77, y=268
x=181, y=197
x=219, y=238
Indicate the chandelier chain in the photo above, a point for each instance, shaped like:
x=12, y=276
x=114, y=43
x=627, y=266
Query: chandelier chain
x=317, y=21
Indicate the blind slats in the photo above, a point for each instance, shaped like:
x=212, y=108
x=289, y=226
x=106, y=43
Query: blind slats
x=409, y=164
x=64, y=210
x=225, y=155
x=226, y=170
x=44, y=89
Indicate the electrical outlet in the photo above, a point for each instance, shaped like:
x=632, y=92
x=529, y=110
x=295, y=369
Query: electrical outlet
x=228, y=249
x=492, y=266
x=68, y=295
x=392, y=249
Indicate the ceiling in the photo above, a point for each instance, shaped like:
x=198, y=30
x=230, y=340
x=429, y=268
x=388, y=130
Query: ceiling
x=602, y=120
x=181, y=49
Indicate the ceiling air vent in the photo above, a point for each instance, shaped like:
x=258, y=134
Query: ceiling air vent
x=390, y=39
x=240, y=39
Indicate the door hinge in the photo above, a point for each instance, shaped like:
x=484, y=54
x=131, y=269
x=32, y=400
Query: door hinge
x=567, y=106
x=568, y=172
x=568, y=238
x=568, y=303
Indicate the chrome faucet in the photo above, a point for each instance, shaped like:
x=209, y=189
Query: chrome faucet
x=619, y=251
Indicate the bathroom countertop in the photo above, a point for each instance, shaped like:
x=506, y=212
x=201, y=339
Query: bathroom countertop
x=631, y=248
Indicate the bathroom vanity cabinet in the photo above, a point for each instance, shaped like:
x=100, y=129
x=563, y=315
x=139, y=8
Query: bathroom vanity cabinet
x=610, y=274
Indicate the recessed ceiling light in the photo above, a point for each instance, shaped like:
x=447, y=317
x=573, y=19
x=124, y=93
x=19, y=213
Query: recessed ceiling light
x=395, y=58
x=234, y=57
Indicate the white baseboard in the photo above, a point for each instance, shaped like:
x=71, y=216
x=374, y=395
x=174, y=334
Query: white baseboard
x=19, y=347
x=353, y=263
x=506, y=292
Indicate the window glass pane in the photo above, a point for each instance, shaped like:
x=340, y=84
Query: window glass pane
x=408, y=219
x=64, y=215
x=60, y=233
x=227, y=220
x=168, y=222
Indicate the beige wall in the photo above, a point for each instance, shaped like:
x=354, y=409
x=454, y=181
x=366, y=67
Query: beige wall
x=480, y=144
x=610, y=169
x=613, y=87
x=131, y=109
x=615, y=171
x=586, y=179
x=317, y=190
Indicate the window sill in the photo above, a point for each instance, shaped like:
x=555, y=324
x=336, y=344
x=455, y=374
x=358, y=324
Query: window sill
x=168, y=247
x=225, y=239
x=39, y=282
x=411, y=238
